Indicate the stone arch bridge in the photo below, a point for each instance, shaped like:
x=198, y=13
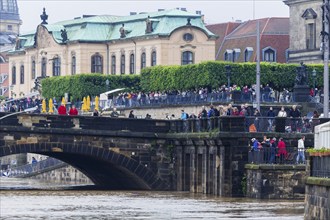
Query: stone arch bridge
x=121, y=153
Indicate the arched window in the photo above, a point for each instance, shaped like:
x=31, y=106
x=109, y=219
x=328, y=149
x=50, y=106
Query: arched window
x=122, y=64
x=131, y=64
x=97, y=64
x=153, y=58
x=56, y=66
x=33, y=69
x=22, y=74
x=113, y=65
x=13, y=75
x=73, y=65
x=187, y=58
x=143, y=60
x=269, y=54
x=44, y=67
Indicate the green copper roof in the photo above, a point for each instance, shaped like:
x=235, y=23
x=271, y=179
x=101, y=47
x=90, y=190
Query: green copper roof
x=106, y=27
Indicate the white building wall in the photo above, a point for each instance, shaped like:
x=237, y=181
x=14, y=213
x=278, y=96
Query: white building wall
x=322, y=136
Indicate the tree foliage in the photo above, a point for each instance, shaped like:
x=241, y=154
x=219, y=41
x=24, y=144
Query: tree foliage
x=212, y=74
x=82, y=85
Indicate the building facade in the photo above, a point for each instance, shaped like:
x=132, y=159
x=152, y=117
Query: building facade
x=239, y=40
x=109, y=45
x=305, y=31
x=9, y=29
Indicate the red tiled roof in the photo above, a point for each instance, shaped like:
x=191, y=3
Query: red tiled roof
x=274, y=33
x=222, y=30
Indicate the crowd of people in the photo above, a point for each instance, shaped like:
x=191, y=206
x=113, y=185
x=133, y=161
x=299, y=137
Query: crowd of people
x=271, y=151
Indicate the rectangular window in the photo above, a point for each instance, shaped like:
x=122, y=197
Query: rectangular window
x=10, y=27
x=13, y=75
x=73, y=66
x=310, y=36
x=22, y=74
x=113, y=65
x=57, y=67
x=122, y=64
x=33, y=69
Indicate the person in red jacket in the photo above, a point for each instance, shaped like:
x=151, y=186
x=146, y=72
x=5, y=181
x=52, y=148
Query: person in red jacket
x=73, y=110
x=62, y=110
x=282, y=153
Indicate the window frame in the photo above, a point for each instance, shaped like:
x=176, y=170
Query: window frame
x=21, y=74
x=113, y=64
x=187, y=57
x=73, y=65
x=13, y=75
x=143, y=60
x=132, y=63
x=97, y=63
x=33, y=69
x=122, y=64
x=43, y=67
x=153, y=58
x=56, y=66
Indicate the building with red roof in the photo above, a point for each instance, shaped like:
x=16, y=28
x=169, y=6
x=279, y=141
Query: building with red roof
x=238, y=40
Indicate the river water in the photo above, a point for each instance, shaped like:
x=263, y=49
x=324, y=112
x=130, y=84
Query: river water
x=32, y=199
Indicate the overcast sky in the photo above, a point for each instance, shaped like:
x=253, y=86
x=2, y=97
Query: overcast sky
x=215, y=11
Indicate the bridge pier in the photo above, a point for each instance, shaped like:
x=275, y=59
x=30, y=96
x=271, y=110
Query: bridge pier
x=199, y=167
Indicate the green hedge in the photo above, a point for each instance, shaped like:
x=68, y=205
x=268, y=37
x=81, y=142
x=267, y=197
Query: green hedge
x=212, y=74
x=81, y=85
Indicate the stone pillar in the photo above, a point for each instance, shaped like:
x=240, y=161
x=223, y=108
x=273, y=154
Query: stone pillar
x=179, y=168
x=201, y=173
x=221, y=170
x=189, y=169
x=212, y=171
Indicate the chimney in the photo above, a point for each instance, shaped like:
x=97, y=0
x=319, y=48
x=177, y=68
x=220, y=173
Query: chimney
x=183, y=9
x=199, y=12
x=132, y=13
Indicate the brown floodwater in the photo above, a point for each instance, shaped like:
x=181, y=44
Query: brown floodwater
x=32, y=199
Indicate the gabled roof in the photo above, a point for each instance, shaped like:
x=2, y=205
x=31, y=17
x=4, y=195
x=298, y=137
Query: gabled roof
x=273, y=32
x=105, y=28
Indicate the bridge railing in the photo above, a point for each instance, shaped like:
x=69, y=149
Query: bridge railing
x=320, y=166
x=269, y=155
x=38, y=167
x=221, y=124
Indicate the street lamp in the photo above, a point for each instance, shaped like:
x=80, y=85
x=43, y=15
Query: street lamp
x=107, y=84
x=314, y=79
x=228, y=73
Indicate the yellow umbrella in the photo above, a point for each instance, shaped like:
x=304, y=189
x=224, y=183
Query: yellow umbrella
x=97, y=103
x=43, y=106
x=63, y=101
x=84, y=105
x=50, y=106
x=88, y=106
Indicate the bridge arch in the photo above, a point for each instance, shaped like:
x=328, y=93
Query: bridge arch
x=104, y=167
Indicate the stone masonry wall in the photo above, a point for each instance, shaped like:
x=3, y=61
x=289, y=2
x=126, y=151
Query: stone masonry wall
x=317, y=200
x=275, y=181
x=67, y=174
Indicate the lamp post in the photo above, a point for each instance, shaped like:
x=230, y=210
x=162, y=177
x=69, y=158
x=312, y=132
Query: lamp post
x=314, y=79
x=228, y=73
x=107, y=84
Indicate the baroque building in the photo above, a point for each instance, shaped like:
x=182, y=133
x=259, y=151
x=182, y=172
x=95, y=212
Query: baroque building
x=109, y=44
x=305, y=31
x=9, y=29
